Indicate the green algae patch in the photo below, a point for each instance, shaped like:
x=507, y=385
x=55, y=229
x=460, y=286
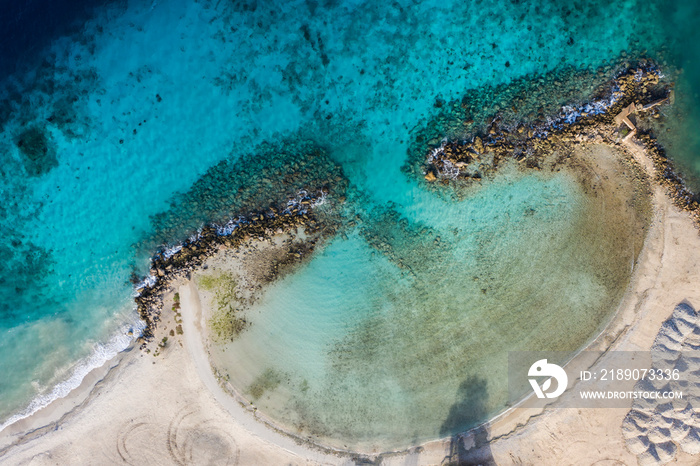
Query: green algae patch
x=267, y=381
x=227, y=325
x=227, y=321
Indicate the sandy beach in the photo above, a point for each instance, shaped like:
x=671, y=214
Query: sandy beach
x=166, y=406
x=334, y=233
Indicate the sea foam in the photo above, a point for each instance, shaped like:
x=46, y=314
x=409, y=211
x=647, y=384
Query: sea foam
x=102, y=353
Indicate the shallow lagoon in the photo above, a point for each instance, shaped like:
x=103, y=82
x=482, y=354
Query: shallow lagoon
x=399, y=332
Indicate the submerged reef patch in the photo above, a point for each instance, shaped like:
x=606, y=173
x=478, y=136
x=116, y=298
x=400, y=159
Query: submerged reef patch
x=272, y=178
x=38, y=150
x=24, y=265
x=267, y=381
x=410, y=245
x=59, y=100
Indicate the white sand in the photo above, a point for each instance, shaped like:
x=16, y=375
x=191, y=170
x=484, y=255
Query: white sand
x=168, y=409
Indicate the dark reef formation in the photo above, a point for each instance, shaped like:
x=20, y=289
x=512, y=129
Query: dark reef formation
x=279, y=188
x=503, y=136
x=39, y=154
x=268, y=178
x=530, y=142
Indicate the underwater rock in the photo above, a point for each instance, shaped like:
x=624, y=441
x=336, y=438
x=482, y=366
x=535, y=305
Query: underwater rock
x=38, y=152
x=286, y=176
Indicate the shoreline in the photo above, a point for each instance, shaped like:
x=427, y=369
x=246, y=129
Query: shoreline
x=49, y=416
x=88, y=370
x=501, y=427
x=192, y=320
x=626, y=328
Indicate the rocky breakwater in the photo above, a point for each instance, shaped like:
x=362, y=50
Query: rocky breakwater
x=668, y=177
x=547, y=139
x=310, y=199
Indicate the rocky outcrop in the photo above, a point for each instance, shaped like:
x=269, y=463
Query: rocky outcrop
x=270, y=177
x=531, y=142
x=176, y=262
x=667, y=176
x=605, y=118
x=290, y=185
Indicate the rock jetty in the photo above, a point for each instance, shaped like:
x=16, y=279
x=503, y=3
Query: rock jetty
x=296, y=194
x=605, y=118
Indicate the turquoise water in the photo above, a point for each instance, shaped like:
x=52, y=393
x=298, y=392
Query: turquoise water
x=370, y=347
x=128, y=109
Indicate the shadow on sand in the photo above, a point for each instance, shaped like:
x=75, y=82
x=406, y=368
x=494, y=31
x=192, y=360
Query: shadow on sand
x=468, y=447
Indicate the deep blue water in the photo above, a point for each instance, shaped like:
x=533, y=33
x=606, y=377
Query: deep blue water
x=129, y=103
x=28, y=26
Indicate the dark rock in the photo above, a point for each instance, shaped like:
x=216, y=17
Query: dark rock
x=37, y=149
